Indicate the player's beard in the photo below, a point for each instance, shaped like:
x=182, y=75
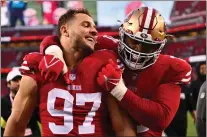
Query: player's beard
x=81, y=45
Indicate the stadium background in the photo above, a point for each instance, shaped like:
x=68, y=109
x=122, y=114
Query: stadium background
x=188, y=26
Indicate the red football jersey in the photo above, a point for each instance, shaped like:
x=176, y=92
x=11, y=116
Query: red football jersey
x=78, y=109
x=153, y=94
x=158, y=84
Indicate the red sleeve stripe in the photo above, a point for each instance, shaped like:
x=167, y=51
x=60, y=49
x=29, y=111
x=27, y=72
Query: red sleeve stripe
x=186, y=79
x=24, y=68
x=189, y=73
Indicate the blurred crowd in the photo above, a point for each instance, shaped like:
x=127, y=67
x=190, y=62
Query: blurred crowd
x=14, y=11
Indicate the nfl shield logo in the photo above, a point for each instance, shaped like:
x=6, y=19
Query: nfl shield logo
x=72, y=76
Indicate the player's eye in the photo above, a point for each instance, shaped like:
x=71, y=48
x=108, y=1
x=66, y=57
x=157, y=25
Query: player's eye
x=86, y=24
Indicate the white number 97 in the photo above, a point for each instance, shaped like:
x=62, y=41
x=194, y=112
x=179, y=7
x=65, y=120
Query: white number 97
x=81, y=98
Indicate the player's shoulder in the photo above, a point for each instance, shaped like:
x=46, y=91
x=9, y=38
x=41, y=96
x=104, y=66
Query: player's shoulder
x=29, y=66
x=174, y=62
x=178, y=70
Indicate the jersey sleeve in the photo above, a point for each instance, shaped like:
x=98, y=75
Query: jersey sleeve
x=106, y=42
x=155, y=113
x=179, y=71
x=48, y=41
x=29, y=67
x=104, y=55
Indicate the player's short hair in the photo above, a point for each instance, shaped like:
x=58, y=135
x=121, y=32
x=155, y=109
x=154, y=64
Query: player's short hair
x=69, y=15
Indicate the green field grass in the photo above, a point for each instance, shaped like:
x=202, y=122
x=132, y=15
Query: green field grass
x=191, y=131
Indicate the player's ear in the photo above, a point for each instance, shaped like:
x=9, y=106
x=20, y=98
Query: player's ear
x=64, y=30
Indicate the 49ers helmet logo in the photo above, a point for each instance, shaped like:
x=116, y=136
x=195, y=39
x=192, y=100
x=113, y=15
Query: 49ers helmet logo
x=143, y=35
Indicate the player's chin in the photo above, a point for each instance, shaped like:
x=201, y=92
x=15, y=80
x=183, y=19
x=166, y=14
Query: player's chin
x=90, y=45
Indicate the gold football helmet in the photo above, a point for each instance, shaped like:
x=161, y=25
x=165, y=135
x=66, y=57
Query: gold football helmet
x=142, y=37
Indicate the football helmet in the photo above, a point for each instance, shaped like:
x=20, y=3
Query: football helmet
x=145, y=27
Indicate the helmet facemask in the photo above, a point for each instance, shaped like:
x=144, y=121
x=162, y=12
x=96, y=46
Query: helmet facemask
x=137, y=60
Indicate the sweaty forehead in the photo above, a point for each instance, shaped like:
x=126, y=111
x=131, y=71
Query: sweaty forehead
x=80, y=17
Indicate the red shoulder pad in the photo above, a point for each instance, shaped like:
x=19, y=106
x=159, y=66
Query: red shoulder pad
x=180, y=71
x=106, y=42
x=48, y=41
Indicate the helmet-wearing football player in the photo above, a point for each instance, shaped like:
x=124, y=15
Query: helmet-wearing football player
x=142, y=37
x=149, y=87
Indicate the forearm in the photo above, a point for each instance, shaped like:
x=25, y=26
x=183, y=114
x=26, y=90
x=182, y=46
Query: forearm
x=121, y=122
x=145, y=111
x=14, y=128
x=24, y=103
x=155, y=113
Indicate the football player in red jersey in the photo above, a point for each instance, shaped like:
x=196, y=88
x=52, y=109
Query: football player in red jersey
x=77, y=107
x=150, y=92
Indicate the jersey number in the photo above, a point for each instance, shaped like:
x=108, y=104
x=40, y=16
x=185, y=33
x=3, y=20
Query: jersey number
x=81, y=98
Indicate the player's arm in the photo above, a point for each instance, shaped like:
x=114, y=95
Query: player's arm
x=121, y=122
x=160, y=109
x=163, y=105
x=155, y=113
x=107, y=42
x=24, y=103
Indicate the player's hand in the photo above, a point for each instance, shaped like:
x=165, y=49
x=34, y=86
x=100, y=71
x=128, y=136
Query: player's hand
x=31, y=62
x=110, y=75
x=50, y=67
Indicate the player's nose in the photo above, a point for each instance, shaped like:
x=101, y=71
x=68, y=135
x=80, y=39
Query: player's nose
x=93, y=31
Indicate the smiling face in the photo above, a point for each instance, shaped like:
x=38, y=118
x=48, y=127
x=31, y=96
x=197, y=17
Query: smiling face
x=82, y=30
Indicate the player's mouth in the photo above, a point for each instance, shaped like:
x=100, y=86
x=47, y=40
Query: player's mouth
x=134, y=58
x=91, y=39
